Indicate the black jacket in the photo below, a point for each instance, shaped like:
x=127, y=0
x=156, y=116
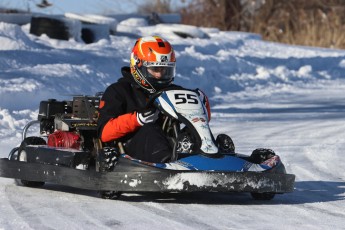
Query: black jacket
x=122, y=97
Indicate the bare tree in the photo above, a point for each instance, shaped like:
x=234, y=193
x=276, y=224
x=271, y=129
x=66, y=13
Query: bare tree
x=157, y=6
x=223, y=14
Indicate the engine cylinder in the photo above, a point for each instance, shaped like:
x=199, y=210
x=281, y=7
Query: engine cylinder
x=64, y=139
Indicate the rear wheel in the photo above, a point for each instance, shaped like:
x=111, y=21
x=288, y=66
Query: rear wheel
x=22, y=156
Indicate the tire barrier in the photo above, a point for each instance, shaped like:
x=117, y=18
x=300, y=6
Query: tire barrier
x=52, y=27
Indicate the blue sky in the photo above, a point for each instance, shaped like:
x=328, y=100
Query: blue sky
x=76, y=6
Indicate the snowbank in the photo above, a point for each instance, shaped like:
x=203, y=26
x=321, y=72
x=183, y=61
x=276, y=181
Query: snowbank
x=263, y=94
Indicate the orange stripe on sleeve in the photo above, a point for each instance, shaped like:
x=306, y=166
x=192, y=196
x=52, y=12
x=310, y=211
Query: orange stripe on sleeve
x=119, y=127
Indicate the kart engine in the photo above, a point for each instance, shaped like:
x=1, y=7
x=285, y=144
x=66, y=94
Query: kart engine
x=69, y=124
x=64, y=139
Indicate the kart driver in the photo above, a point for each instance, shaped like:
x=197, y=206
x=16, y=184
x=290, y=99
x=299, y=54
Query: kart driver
x=122, y=113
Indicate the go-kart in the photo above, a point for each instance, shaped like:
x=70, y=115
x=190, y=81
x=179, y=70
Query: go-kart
x=68, y=152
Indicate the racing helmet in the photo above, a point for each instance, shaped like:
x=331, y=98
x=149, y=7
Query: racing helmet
x=153, y=63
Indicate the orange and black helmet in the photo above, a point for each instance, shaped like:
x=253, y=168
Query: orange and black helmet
x=149, y=55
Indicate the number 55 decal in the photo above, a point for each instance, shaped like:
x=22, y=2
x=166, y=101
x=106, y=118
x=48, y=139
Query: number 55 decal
x=182, y=98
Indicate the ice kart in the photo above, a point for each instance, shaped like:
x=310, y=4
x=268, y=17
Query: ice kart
x=68, y=152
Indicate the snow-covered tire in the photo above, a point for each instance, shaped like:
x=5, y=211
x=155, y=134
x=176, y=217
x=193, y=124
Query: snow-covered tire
x=225, y=143
x=260, y=155
x=53, y=28
x=106, y=160
x=87, y=35
x=23, y=157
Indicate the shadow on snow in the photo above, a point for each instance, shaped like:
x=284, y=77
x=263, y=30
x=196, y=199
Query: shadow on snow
x=306, y=192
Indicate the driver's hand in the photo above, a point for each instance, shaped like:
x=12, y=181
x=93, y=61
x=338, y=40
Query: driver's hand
x=147, y=116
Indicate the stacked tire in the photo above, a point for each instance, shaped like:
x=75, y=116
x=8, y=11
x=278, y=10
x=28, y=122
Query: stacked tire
x=52, y=27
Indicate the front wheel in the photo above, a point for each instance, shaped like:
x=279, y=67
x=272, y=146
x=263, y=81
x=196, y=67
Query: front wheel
x=22, y=156
x=260, y=155
x=106, y=160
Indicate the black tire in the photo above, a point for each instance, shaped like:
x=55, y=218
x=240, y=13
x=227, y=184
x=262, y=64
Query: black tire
x=87, y=36
x=183, y=34
x=53, y=28
x=47, y=22
x=106, y=161
x=23, y=157
x=111, y=195
x=13, y=156
x=225, y=143
x=263, y=196
x=260, y=155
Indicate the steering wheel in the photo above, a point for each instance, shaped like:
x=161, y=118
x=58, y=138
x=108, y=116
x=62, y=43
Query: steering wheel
x=152, y=98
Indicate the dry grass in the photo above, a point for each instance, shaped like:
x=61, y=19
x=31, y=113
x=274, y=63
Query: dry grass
x=300, y=22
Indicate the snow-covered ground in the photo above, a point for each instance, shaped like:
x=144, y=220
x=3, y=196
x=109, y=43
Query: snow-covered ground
x=263, y=94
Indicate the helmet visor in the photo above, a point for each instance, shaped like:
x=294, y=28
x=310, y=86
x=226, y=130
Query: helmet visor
x=159, y=72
